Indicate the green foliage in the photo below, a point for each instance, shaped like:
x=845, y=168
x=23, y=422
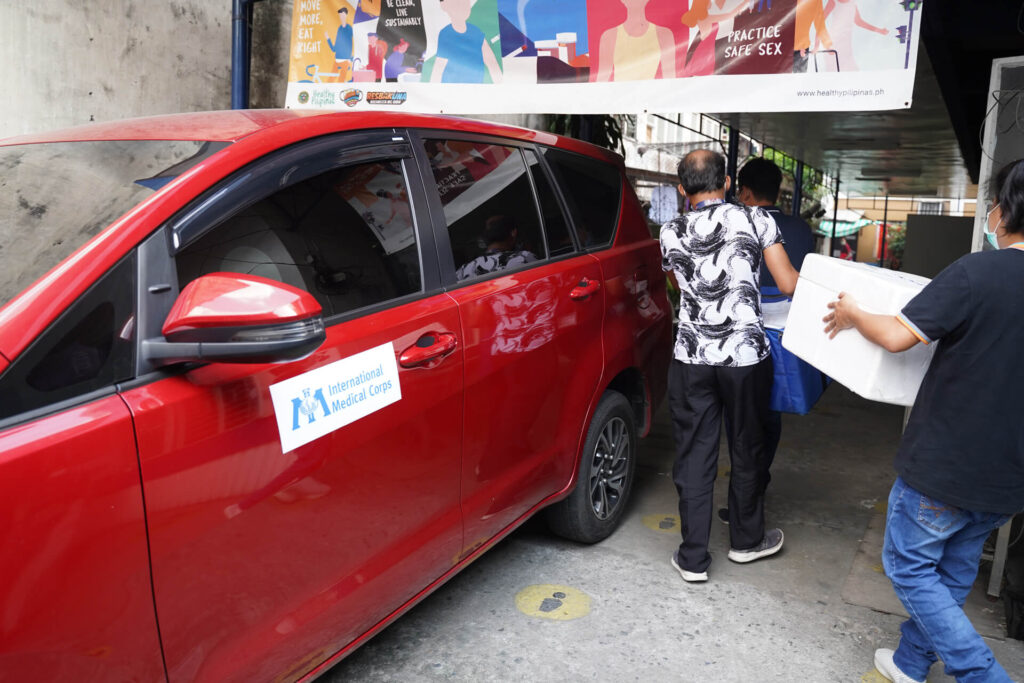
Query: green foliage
x=896, y=240
x=600, y=129
x=813, y=185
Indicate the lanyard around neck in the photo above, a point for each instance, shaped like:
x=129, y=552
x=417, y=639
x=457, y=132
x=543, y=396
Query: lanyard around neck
x=709, y=202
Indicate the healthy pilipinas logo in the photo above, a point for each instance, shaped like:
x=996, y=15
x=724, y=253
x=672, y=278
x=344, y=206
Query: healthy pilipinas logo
x=318, y=402
x=352, y=97
x=385, y=97
x=323, y=97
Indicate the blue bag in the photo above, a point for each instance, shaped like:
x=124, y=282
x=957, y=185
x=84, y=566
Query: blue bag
x=798, y=385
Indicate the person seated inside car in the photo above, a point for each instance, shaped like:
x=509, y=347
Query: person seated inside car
x=502, y=250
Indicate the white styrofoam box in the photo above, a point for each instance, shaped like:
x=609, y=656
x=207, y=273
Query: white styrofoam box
x=850, y=359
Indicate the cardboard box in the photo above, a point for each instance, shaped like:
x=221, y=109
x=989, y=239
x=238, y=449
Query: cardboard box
x=850, y=359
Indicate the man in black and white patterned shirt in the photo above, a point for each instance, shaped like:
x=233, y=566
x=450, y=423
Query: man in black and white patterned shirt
x=502, y=252
x=722, y=362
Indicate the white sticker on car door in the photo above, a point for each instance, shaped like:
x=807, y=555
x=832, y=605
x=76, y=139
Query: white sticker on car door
x=318, y=402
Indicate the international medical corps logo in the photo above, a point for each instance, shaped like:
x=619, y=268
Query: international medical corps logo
x=320, y=401
x=308, y=406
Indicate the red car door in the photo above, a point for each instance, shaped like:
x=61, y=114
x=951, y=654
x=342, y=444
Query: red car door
x=531, y=309
x=271, y=550
x=75, y=572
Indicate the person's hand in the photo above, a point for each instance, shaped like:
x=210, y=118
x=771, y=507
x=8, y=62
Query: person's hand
x=841, y=317
x=884, y=31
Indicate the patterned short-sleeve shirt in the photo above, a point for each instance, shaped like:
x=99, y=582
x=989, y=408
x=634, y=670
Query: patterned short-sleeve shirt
x=493, y=261
x=715, y=253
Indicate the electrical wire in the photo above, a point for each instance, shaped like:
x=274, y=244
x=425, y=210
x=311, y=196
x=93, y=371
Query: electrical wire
x=997, y=97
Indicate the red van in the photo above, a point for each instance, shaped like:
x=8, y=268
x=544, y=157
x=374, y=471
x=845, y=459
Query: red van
x=268, y=378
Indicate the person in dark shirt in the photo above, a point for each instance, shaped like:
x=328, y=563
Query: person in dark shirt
x=960, y=464
x=759, y=182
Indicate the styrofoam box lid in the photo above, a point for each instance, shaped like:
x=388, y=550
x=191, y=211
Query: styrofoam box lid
x=877, y=290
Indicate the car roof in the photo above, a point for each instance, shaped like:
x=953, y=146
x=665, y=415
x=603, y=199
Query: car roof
x=233, y=125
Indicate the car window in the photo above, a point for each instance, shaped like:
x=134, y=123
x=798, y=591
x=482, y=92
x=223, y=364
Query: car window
x=345, y=236
x=489, y=206
x=593, y=190
x=91, y=346
x=556, y=230
x=57, y=195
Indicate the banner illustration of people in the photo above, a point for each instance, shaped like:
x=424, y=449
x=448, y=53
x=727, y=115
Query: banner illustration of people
x=584, y=56
x=639, y=44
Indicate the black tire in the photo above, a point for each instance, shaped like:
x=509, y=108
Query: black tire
x=607, y=466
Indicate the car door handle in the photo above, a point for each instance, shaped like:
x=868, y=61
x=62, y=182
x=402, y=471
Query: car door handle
x=585, y=288
x=429, y=347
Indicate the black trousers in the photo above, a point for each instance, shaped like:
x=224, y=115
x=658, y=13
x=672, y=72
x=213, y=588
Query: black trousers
x=699, y=396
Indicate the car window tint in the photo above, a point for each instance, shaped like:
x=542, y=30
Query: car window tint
x=556, y=230
x=593, y=190
x=91, y=346
x=489, y=206
x=345, y=236
x=58, y=195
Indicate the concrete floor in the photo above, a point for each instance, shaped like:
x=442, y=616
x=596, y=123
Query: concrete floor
x=541, y=609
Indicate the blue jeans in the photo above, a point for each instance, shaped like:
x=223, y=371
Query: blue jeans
x=931, y=555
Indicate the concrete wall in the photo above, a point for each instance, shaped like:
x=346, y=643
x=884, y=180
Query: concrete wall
x=68, y=62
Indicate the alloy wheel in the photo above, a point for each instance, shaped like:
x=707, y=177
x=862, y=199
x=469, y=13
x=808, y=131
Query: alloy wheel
x=609, y=468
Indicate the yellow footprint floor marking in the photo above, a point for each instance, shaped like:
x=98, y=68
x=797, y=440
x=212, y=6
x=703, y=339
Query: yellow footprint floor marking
x=873, y=676
x=663, y=523
x=550, y=601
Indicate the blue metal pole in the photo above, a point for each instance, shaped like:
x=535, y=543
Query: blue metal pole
x=241, y=50
x=239, y=63
x=885, y=227
x=798, y=187
x=732, y=157
x=835, y=219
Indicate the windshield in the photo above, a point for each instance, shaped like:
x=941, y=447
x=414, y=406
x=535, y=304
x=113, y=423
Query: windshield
x=55, y=196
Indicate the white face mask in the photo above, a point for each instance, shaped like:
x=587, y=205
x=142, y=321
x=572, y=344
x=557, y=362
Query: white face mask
x=991, y=234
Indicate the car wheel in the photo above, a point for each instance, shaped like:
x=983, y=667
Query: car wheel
x=594, y=508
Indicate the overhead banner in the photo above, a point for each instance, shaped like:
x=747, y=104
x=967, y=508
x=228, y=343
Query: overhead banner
x=603, y=56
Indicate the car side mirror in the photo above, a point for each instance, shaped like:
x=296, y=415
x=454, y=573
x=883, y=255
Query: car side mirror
x=235, y=318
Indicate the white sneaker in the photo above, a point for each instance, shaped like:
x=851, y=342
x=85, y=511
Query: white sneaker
x=689, y=577
x=888, y=668
x=769, y=545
